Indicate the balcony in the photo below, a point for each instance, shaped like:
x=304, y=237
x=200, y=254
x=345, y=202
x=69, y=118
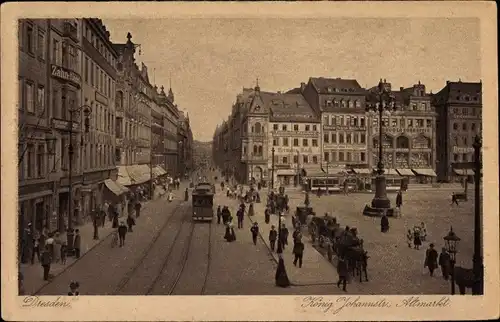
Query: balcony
x=70, y=30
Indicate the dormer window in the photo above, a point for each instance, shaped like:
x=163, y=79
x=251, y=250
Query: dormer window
x=329, y=89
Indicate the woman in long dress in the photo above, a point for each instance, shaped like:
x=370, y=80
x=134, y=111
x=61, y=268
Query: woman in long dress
x=57, y=247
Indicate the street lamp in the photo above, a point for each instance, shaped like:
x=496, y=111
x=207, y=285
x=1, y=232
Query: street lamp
x=385, y=103
x=272, y=169
x=87, y=110
x=477, y=268
x=451, y=245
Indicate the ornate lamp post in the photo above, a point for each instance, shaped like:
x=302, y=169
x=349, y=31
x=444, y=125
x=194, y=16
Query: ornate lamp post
x=87, y=110
x=451, y=245
x=272, y=170
x=477, y=260
x=385, y=103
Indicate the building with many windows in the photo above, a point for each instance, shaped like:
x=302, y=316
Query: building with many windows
x=408, y=141
x=459, y=109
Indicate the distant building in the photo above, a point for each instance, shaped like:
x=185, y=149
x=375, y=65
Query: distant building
x=459, y=109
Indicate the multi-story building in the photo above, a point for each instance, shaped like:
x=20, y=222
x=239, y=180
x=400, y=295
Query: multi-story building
x=341, y=105
x=408, y=133
x=37, y=189
x=98, y=93
x=459, y=109
x=294, y=130
x=184, y=146
x=169, y=141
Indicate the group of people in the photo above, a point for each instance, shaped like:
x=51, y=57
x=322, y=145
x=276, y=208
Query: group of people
x=416, y=236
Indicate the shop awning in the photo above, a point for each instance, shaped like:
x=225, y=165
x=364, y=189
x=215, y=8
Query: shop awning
x=425, y=172
x=123, y=176
x=161, y=171
x=362, y=171
x=405, y=172
x=332, y=172
x=115, y=187
x=388, y=172
x=139, y=173
x=286, y=172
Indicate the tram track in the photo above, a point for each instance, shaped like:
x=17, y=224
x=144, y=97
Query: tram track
x=178, y=210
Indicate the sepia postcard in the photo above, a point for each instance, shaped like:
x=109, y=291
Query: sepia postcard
x=268, y=161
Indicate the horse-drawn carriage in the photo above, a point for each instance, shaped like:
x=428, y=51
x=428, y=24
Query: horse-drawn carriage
x=278, y=203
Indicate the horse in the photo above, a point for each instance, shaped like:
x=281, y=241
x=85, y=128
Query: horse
x=357, y=259
x=464, y=278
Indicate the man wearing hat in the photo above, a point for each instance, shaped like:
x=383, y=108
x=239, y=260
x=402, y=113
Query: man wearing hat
x=273, y=235
x=255, y=232
x=122, y=230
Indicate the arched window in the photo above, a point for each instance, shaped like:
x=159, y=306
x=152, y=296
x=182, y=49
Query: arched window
x=421, y=142
x=387, y=142
x=402, y=142
x=260, y=150
x=258, y=127
x=255, y=150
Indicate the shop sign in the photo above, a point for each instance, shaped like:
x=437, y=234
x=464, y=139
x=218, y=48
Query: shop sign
x=294, y=150
x=101, y=98
x=403, y=130
x=281, y=166
x=296, y=133
x=461, y=149
x=66, y=74
x=64, y=125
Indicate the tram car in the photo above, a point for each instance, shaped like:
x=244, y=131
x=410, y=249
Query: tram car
x=334, y=184
x=203, y=201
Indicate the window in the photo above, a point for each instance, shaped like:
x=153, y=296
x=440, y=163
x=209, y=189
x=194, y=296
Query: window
x=31, y=160
x=285, y=160
x=315, y=142
x=92, y=73
x=20, y=88
x=348, y=138
x=285, y=141
x=363, y=157
x=41, y=45
x=355, y=138
x=326, y=156
x=362, y=122
x=465, y=111
x=348, y=159
x=40, y=100
x=40, y=161
x=410, y=123
x=305, y=142
x=428, y=123
x=465, y=141
x=30, y=40
x=420, y=123
x=347, y=120
x=341, y=138
x=357, y=104
x=30, y=97
x=343, y=103
x=385, y=122
x=56, y=52
x=295, y=142
x=394, y=122
x=275, y=127
x=305, y=159
x=375, y=122
x=455, y=126
x=326, y=119
x=334, y=137
x=283, y=127
x=326, y=138
x=275, y=142
x=295, y=127
x=295, y=159
x=363, y=138
x=464, y=126
x=473, y=126
x=315, y=128
x=315, y=159
x=341, y=156
x=334, y=156
x=464, y=157
x=308, y=127
x=350, y=103
x=86, y=66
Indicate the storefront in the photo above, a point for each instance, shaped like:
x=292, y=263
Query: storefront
x=425, y=176
x=116, y=194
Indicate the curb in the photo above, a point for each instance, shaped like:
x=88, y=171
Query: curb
x=101, y=240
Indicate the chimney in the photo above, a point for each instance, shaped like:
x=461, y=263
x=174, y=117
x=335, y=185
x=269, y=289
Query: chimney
x=447, y=82
x=401, y=88
x=302, y=86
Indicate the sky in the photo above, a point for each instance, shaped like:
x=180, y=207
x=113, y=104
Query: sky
x=209, y=61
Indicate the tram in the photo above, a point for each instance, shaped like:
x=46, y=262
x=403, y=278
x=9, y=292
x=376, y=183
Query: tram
x=203, y=201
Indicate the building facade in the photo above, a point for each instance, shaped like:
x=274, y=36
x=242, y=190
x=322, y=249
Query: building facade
x=408, y=140
x=459, y=115
x=98, y=93
x=341, y=104
x=184, y=164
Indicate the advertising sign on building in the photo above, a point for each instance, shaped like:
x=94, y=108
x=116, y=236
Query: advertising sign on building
x=66, y=74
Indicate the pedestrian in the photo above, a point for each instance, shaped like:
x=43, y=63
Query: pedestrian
x=284, y=236
x=122, y=231
x=64, y=252
x=170, y=197
x=409, y=238
x=104, y=212
x=298, y=252
x=273, y=234
x=445, y=263
x=297, y=236
x=329, y=249
x=454, y=199
x=240, y=214
x=46, y=261
x=230, y=235
x=417, y=242
x=77, y=243
x=346, y=187
x=399, y=199
x=250, y=210
x=49, y=242
x=138, y=209
x=73, y=289
x=343, y=273
x=267, y=216
x=431, y=257
x=219, y=214
x=384, y=223
x=115, y=219
x=36, y=250
x=281, y=278
x=255, y=232
x=96, y=222
x=57, y=247
x=186, y=194
x=423, y=231
x=130, y=223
